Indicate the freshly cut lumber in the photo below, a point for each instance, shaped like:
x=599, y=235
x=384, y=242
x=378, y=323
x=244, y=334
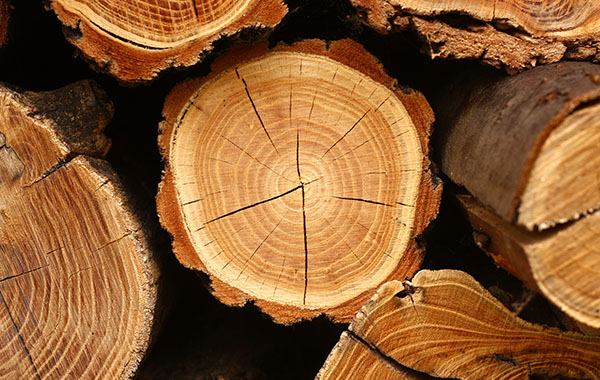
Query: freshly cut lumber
x=297, y=177
x=526, y=146
x=445, y=324
x=563, y=263
x=77, y=277
x=513, y=34
x=134, y=40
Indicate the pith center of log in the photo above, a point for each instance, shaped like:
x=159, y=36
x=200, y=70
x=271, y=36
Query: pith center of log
x=296, y=178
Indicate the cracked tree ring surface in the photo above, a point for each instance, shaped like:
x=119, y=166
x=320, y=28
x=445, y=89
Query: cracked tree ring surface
x=296, y=178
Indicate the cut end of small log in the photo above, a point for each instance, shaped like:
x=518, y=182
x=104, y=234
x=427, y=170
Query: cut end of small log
x=445, y=324
x=296, y=180
x=515, y=34
x=135, y=40
x=77, y=277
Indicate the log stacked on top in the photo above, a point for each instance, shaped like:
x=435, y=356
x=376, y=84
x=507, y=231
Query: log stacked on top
x=134, y=40
x=511, y=34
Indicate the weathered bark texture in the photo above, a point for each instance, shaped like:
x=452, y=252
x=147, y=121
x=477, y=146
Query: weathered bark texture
x=297, y=178
x=445, y=324
x=511, y=34
x=527, y=148
x=77, y=278
x=136, y=39
x=519, y=144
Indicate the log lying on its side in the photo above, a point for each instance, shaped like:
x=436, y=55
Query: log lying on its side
x=77, y=279
x=527, y=148
x=514, y=34
x=298, y=178
x=444, y=324
x=135, y=40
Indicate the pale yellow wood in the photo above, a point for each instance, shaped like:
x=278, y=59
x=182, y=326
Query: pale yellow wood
x=445, y=324
x=565, y=180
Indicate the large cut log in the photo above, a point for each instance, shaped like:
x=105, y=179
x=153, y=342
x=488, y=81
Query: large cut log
x=298, y=178
x=77, y=277
x=527, y=148
x=514, y=34
x=444, y=324
x=136, y=39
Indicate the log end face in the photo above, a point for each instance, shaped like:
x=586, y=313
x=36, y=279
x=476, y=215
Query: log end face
x=269, y=216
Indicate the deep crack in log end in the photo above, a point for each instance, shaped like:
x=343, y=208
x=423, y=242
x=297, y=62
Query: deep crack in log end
x=297, y=179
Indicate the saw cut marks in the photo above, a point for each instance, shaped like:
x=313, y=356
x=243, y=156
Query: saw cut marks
x=513, y=34
x=77, y=277
x=445, y=324
x=136, y=39
x=297, y=179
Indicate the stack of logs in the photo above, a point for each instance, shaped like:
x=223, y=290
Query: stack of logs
x=303, y=179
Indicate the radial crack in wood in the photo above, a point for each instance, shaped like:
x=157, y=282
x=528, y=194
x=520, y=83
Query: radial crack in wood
x=563, y=264
x=77, y=278
x=527, y=145
x=288, y=172
x=134, y=40
x=514, y=34
x=445, y=324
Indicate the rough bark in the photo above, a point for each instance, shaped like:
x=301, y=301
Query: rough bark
x=512, y=34
x=297, y=178
x=4, y=18
x=525, y=146
x=443, y=323
x=134, y=40
x=77, y=277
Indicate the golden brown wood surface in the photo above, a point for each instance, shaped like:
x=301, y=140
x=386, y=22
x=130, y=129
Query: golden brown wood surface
x=562, y=263
x=525, y=146
x=297, y=178
x=515, y=34
x=77, y=277
x=445, y=324
x=134, y=40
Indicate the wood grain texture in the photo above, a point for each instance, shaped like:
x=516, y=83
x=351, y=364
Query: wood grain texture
x=297, y=178
x=77, y=277
x=135, y=40
x=563, y=264
x=526, y=145
x=445, y=324
x=514, y=34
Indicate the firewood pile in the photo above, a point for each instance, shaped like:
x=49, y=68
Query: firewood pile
x=299, y=189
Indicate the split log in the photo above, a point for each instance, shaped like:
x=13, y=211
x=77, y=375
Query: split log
x=445, y=324
x=77, y=277
x=560, y=263
x=135, y=40
x=297, y=178
x=527, y=148
x=511, y=34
